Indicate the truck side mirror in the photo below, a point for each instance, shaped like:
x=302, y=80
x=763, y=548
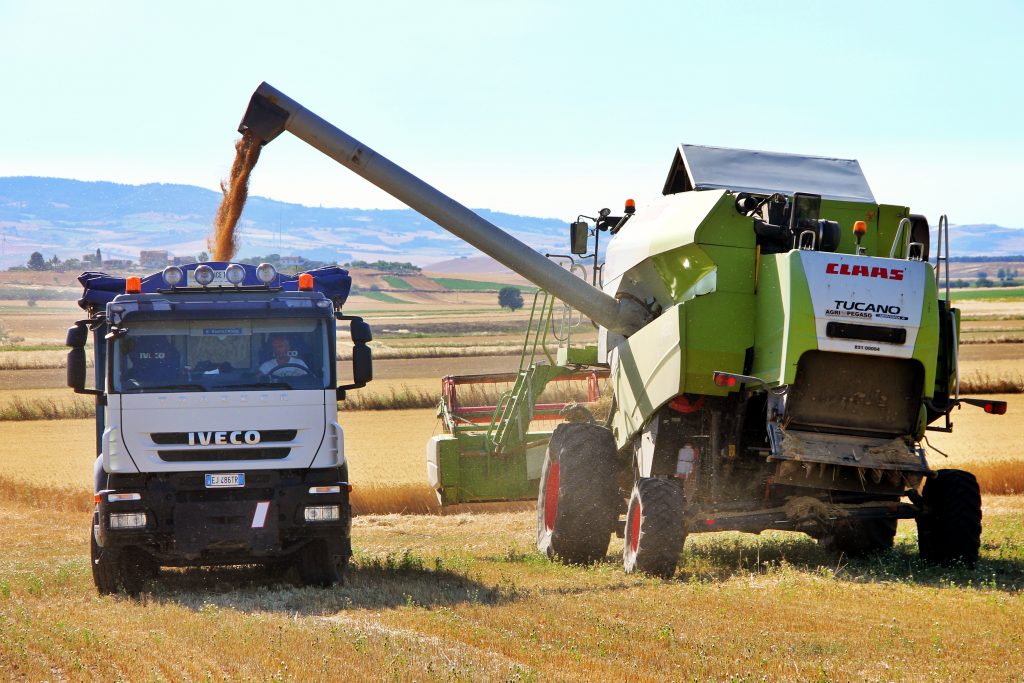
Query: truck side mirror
x=76, y=368
x=578, y=233
x=78, y=336
x=360, y=332
x=362, y=364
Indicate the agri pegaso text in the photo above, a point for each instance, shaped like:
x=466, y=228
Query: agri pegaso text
x=236, y=438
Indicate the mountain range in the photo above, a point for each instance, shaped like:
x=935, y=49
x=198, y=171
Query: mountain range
x=69, y=218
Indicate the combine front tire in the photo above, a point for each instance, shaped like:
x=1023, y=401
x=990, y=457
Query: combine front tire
x=949, y=528
x=655, y=530
x=577, y=505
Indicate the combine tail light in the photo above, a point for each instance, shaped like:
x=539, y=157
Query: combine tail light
x=995, y=407
x=133, y=285
x=724, y=379
x=306, y=282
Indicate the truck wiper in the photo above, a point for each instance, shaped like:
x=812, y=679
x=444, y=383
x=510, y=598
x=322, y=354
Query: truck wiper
x=257, y=385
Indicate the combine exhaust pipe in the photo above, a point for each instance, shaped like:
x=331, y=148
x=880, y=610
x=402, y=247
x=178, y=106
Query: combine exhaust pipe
x=271, y=112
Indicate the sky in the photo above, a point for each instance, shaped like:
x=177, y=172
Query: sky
x=535, y=108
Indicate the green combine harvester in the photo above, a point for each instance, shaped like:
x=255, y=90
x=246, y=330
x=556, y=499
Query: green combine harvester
x=774, y=341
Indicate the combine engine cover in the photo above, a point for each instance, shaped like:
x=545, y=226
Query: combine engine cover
x=865, y=305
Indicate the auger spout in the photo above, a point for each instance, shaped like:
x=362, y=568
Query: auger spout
x=271, y=112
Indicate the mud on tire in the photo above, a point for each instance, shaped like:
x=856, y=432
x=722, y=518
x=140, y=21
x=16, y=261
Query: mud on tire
x=949, y=529
x=578, y=501
x=655, y=528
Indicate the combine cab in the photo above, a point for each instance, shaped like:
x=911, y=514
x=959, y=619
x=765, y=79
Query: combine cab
x=776, y=347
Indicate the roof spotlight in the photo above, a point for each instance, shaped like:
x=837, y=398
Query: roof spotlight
x=235, y=274
x=265, y=273
x=203, y=275
x=173, y=276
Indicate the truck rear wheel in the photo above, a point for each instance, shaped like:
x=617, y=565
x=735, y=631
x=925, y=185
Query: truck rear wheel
x=318, y=566
x=120, y=570
x=655, y=528
x=578, y=501
x=860, y=537
x=949, y=528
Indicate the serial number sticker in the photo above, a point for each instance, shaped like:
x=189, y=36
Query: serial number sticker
x=222, y=481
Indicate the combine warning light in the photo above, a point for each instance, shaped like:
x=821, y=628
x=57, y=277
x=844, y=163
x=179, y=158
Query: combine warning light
x=305, y=282
x=630, y=206
x=133, y=285
x=860, y=228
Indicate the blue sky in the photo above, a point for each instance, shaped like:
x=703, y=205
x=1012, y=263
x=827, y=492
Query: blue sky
x=539, y=108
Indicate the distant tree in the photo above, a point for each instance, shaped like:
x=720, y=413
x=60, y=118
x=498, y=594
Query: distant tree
x=982, y=275
x=36, y=262
x=31, y=303
x=203, y=256
x=99, y=258
x=1001, y=273
x=510, y=298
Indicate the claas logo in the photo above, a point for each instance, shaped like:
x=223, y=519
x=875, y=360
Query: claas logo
x=865, y=271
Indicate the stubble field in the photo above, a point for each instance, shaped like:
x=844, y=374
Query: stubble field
x=466, y=596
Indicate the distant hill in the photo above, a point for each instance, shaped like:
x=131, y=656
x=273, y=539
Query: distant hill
x=69, y=218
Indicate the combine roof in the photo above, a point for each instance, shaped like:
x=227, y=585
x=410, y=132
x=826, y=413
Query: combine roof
x=696, y=167
x=100, y=288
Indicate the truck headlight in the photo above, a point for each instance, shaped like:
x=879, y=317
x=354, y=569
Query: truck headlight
x=127, y=520
x=322, y=513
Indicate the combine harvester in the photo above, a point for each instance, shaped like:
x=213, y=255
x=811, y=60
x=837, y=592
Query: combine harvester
x=776, y=347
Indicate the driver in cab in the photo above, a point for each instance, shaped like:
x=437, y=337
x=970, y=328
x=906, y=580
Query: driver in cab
x=283, y=363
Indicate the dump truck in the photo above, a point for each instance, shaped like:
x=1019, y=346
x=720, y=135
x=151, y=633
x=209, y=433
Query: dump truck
x=217, y=434
x=776, y=343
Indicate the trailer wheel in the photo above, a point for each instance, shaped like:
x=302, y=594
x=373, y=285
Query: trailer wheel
x=949, y=529
x=655, y=528
x=318, y=566
x=578, y=501
x=858, y=538
x=120, y=570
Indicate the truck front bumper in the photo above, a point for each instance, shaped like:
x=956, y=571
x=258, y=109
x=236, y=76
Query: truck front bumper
x=177, y=520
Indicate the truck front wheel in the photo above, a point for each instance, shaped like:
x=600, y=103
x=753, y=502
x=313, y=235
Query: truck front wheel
x=319, y=566
x=655, y=528
x=578, y=501
x=120, y=570
x=949, y=528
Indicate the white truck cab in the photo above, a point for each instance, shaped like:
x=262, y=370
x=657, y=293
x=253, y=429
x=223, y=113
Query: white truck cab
x=218, y=440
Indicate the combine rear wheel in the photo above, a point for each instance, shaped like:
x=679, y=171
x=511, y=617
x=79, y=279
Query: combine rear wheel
x=655, y=530
x=577, y=505
x=949, y=529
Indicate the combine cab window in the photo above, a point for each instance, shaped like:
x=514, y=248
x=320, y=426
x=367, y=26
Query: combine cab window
x=230, y=355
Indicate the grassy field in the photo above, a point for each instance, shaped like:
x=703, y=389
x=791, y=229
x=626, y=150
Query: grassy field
x=990, y=293
x=466, y=597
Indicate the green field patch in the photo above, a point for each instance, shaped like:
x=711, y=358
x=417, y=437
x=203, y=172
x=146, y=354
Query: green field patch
x=397, y=282
x=386, y=298
x=1011, y=294
x=458, y=285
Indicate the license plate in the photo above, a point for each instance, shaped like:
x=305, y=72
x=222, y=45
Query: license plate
x=225, y=481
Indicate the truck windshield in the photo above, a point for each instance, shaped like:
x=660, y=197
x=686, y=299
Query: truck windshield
x=229, y=355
